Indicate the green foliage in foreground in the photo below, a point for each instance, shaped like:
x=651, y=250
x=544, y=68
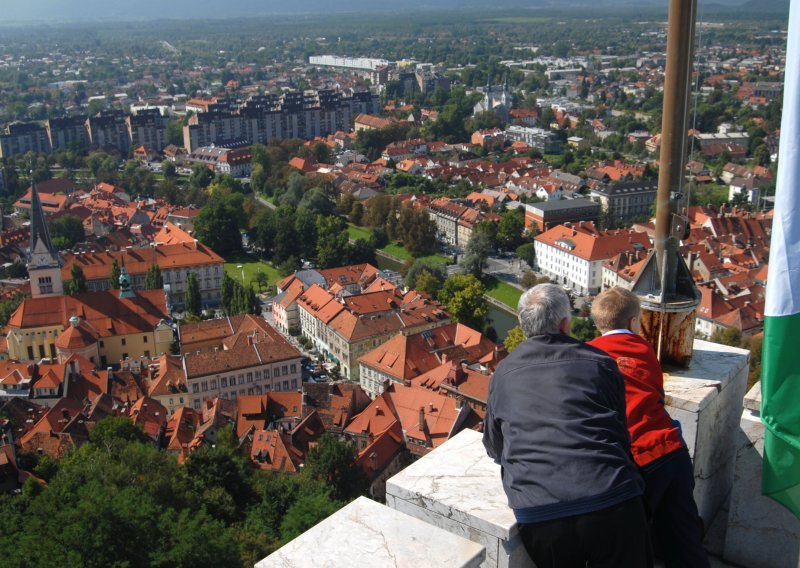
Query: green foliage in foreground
x=120, y=501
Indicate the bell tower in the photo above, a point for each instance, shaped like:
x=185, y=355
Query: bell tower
x=44, y=264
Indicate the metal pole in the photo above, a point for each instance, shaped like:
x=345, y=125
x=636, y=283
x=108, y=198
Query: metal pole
x=664, y=284
x=674, y=120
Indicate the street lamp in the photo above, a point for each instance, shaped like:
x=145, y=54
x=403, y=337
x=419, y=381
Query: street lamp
x=240, y=267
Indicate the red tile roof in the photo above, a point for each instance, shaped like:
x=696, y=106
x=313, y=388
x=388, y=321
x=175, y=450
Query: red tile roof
x=105, y=312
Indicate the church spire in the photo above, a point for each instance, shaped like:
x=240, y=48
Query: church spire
x=39, y=232
x=44, y=264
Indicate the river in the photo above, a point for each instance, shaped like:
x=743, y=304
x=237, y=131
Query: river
x=502, y=320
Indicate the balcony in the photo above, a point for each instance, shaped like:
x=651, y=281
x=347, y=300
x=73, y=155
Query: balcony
x=456, y=490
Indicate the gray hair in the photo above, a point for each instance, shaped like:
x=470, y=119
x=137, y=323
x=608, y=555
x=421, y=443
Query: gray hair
x=542, y=309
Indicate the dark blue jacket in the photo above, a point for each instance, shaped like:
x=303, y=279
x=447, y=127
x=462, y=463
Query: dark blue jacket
x=556, y=424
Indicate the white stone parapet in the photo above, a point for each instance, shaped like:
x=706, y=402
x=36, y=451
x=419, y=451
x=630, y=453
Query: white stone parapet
x=367, y=534
x=760, y=531
x=707, y=400
x=457, y=486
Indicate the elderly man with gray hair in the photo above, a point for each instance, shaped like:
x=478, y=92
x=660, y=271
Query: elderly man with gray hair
x=556, y=424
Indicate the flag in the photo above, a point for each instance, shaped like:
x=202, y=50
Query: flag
x=780, y=372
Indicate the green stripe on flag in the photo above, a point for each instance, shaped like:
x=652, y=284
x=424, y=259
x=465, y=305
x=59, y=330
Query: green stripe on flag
x=780, y=410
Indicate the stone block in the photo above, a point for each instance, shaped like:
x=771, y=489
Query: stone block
x=457, y=487
x=370, y=535
x=760, y=531
x=707, y=400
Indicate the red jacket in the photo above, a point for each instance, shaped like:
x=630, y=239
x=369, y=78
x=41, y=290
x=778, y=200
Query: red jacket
x=653, y=433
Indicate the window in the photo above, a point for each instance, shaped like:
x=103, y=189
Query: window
x=197, y=405
x=213, y=384
x=171, y=402
x=147, y=353
x=124, y=342
x=195, y=387
x=181, y=399
x=285, y=370
x=53, y=350
x=204, y=386
x=286, y=385
x=258, y=375
x=102, y=344
x=144, y=339
x=266, y=373
x=294, y=383
x=293, y=368
x=124, y=355
x=241, y=379
x=249, y=377
x=30, y=352
x=223, y=382
x=233, y=395
x=45, y=285
x=276, y=372
x=41, y=351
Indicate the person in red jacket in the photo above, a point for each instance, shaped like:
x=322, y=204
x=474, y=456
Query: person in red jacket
x=656, y=443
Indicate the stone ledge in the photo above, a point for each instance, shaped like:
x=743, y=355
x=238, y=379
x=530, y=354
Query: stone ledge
x=367, y=534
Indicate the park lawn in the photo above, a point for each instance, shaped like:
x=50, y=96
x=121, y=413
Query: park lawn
x=251, y=265
x=393, y=249
x=357, y=232
x=502, y=291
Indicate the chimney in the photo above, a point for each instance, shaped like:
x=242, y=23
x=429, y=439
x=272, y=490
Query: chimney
x=421, y=418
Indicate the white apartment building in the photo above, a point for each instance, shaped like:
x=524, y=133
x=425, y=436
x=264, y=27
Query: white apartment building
x=573, y=255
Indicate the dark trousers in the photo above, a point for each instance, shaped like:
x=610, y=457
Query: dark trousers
x=617, y=537
x=677, y=526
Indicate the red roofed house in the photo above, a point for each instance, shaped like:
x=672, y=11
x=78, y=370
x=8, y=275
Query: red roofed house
x=248, y=363
x=427, y=419
x=174, y=260
x=405, y=357
x=343, y=328
x=573, y=254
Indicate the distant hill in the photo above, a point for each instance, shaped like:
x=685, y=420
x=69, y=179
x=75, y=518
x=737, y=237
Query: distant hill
x=87, y=10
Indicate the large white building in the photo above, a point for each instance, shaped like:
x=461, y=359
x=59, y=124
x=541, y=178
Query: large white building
x=573, y=254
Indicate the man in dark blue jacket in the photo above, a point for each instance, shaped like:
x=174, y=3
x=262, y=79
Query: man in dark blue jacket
x=555, y=422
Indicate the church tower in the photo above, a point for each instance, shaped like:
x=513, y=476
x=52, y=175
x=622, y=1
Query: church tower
x=44, y=266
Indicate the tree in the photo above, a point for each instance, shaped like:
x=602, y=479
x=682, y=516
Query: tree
x=416, y=230
x=583, y=329
x=509, y=232
x=113, y=433
x=169, y=170
x=200, y=177
x=217, y=226
x=360, y=252
x=514, y=338
x=174, y=133
x=727, y=336
x=116, y=271
x=435, y=271
x=261, y=280
x=462, y=294
x=527, y=252
x=153, y=280
x=332, y=241
x=192, y=300
x=77, y=283
x=335, y=464
x=306, y=512
x=477, y=251
x=66, y=231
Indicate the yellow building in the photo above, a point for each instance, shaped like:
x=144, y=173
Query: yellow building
x=101, y=326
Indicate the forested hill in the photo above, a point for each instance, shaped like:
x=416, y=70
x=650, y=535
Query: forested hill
x=83, y=10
